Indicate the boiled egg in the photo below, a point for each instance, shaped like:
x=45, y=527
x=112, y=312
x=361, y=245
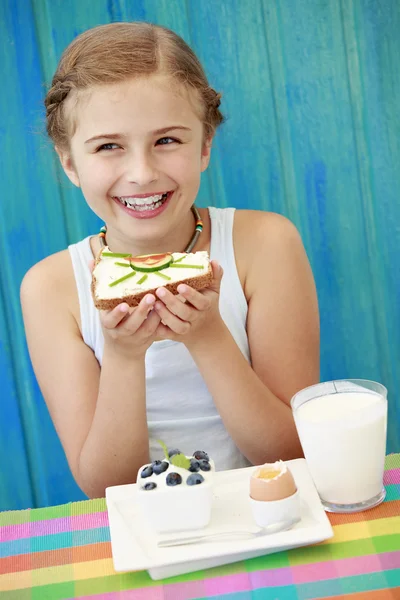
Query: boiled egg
x=272, y=481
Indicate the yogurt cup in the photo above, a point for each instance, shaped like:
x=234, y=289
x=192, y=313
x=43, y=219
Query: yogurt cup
x=176, y=508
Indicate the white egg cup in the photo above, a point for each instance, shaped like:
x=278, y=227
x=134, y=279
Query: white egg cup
x=276, y=512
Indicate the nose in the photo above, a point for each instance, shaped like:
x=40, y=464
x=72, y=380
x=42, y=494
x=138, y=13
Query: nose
x=141, y=168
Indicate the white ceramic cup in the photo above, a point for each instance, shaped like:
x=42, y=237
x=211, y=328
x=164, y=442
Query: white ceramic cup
x=276, y=512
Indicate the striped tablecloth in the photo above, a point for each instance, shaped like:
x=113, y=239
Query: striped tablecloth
x=64, y=552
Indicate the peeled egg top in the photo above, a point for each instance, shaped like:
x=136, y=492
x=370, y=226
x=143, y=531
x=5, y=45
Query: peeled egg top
x=272, y=481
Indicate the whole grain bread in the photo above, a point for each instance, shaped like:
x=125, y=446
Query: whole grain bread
x=198, y=283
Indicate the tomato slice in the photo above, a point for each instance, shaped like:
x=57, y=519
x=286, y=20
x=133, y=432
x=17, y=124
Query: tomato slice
x=150, y=259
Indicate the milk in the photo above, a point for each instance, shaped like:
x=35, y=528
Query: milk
x=343, y=436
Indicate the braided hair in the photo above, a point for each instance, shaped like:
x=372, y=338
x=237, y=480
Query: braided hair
x=119, y=51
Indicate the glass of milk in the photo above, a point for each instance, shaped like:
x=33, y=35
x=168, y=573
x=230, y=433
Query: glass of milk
x=342, y=429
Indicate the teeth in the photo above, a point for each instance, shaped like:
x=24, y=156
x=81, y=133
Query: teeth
x=143, y=201
x=145, y=208
x=143, y=204
x=146, y=201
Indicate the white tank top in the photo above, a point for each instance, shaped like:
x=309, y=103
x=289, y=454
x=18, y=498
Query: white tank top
x=180, y=409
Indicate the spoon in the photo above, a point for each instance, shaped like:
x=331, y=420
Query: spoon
x=221, y=536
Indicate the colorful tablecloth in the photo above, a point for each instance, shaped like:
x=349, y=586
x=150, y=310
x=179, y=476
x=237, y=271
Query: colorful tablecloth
x=64, y=552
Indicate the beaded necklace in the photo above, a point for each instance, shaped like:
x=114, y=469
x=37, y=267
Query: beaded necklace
x=196, y=234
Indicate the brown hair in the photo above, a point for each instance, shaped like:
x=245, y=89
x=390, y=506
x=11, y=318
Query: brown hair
x=116, y=52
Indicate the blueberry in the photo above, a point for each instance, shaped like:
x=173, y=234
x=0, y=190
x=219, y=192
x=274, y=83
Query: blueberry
x=194, y=479
x=173, y=479
x=159, y=466
x=147, y=471
x=173, y=452
x=204, y=465
x=200, y=455
x=194, y=465
x=150, y=485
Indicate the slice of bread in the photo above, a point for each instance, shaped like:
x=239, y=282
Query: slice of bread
x=108, y=291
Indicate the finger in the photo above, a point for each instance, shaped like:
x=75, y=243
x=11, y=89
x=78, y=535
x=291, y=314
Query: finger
x=200, y=299
x=112, y=318
x=217, y=276
x=122, y=317
x=132, y=322
x=150, y=324
x=91, y=265
x=197, y=298
x=171, y=320
x=163, y=332
x=175, y=305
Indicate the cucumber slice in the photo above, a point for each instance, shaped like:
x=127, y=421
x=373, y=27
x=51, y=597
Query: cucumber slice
x=151, y=262
x=179, y=259
x=120, y=264
x=162, y=275
x=114, y=254
x=117, y=281
x=175, y=266
x=142, y=279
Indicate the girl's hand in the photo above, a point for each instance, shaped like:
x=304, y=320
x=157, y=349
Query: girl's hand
x=130, y=330
x=190, y=313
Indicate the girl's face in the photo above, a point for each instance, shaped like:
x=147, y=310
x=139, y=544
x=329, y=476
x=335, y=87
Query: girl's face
x=137, y=153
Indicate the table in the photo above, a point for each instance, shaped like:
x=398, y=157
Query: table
x=64, y=552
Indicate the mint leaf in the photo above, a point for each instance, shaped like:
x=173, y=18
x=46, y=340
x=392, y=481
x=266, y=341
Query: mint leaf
x=164, y=447
x=180, y=460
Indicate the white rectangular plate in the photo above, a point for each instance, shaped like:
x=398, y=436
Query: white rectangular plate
x=134, y=544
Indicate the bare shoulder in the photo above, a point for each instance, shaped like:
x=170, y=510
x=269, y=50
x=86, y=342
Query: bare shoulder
x=45, y=273
x=257, y=223
x=50, y=281
x=263, y=240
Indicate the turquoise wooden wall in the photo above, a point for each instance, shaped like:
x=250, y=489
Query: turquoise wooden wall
x=312, y=98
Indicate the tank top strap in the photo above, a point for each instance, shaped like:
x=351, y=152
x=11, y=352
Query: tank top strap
x=221, y=247
x=232, y=294
x=81, y=254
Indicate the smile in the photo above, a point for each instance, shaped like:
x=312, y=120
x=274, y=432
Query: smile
x=142, y=204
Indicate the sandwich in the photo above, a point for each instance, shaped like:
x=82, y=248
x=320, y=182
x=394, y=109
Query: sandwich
x=120, y=278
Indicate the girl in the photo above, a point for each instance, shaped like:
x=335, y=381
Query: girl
x=132, y=118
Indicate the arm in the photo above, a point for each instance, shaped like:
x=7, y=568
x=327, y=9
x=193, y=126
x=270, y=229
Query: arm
x=283, y=333
x=99, y=415
x=259, y=421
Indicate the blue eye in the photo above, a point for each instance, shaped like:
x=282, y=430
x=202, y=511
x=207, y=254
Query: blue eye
x=109, y=146
x=165, y=141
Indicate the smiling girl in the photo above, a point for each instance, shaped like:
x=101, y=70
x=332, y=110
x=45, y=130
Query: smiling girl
x=133, y=117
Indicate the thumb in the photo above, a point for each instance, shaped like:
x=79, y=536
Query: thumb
x=91, y=265
x=217, y=276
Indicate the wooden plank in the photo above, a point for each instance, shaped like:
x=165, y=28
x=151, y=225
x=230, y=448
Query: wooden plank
x=30, y=203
